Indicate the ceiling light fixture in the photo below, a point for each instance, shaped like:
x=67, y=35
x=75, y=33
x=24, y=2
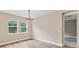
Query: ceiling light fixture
x=29, y=16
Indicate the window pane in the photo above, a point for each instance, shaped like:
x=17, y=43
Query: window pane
x=12, y=29
x=22, y=24
x=23, y=29
x=12, y=23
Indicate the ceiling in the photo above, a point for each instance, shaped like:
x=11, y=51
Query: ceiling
x=24, y=13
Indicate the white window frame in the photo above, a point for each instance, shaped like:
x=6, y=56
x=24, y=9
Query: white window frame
x=27, y=27
x=13, y=26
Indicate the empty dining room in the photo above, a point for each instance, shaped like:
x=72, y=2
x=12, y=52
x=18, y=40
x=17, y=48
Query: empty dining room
x=38, y=29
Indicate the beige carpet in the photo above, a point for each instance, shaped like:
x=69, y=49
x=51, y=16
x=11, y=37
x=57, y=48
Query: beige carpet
x=32, y=43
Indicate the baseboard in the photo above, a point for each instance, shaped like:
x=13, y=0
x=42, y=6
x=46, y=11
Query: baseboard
x=49, y=42
x=5, y=43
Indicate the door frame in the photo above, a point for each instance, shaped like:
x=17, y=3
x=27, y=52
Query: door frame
x=63, y=14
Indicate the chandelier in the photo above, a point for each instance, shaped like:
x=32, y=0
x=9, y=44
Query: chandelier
x=29, y=16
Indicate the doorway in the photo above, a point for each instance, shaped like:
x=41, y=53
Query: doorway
x=70, y=30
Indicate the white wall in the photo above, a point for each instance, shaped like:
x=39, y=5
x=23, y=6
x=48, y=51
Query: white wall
x=46, y=28
x=78, y=30
x=49, y=28
x=4, y=37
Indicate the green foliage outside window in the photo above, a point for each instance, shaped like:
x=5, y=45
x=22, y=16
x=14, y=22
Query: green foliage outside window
x=12, y=26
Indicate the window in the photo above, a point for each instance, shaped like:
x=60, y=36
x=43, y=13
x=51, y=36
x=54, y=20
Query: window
x=12, y=27
x=23, y=27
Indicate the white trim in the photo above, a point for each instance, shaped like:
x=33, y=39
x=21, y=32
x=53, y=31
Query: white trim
x=49, y=42
x=14, y=41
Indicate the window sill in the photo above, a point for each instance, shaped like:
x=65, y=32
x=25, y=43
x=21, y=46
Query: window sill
x=24, y=32
x=12, y=33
